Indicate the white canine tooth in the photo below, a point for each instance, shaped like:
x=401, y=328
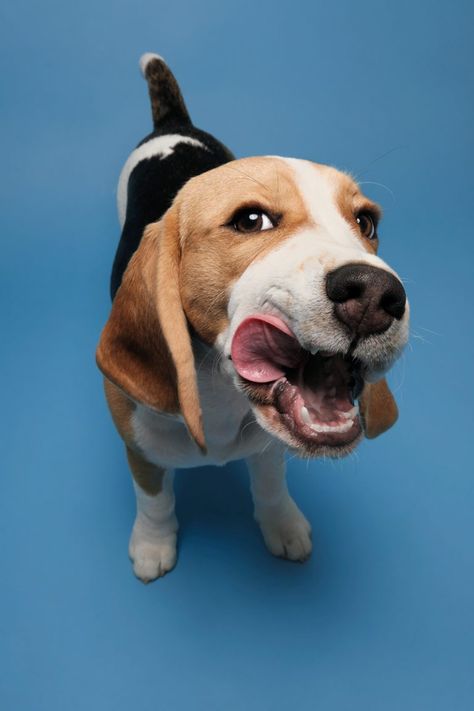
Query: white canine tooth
x=350, y=414
x=313, y=351
x=305, y=416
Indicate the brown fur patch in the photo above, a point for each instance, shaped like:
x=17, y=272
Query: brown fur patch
x=350, y=200
x=132, y=351
x=149, y=477
x=145, y=347
x=121, y=408
x=214, y=254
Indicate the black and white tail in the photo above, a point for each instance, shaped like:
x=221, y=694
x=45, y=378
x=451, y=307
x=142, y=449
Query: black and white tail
x=167, y=103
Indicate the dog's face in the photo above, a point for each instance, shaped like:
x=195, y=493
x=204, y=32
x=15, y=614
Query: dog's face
x=272, y=262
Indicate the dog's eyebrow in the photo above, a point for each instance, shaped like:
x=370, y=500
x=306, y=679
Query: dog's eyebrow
x=362, y=202
x=372, y=207
x=250, y=177
x=277, y=184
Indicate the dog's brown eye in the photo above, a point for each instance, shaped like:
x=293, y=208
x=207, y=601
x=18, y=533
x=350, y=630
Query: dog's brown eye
x=251, y=220
x=366, y=225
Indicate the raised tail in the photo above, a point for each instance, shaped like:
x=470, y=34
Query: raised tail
x=167, y=103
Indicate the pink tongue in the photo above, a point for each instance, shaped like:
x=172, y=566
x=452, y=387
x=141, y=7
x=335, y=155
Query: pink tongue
x=262, y=347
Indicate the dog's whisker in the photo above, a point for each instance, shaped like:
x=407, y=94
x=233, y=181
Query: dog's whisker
x=417, y=337
x=434, y=333
x=203, y=361
x=381, y=185
x=250, y=177
x=266, y=446
x=378, y=158
x=216, y=364
x=214, y=300
x=248, y=424
x=399, y=386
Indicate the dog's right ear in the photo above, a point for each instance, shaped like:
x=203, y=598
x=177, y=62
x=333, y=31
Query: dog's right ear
x=378, y=408
x=145, y=348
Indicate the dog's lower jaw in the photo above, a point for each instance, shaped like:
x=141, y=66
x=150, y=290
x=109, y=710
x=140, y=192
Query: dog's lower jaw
x=272, y=422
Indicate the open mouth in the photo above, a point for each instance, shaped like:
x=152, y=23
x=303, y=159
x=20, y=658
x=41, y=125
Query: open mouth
x=312, y=395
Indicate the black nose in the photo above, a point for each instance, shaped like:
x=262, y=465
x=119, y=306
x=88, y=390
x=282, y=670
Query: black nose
x=366, y=298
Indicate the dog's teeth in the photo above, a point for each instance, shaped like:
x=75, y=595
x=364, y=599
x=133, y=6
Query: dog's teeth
x=305, y=416
x=350, y=414
x=344, y=427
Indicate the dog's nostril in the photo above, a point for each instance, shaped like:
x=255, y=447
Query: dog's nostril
x=393, y=300
x=354, y=290
x=340, y=290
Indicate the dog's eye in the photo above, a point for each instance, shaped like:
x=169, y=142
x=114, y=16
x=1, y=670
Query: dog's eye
x=251, y=220
x=366, y=225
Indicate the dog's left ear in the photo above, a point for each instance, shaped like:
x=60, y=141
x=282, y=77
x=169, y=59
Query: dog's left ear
x=378, y=408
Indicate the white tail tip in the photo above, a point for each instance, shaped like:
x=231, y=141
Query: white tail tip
x=146, y=58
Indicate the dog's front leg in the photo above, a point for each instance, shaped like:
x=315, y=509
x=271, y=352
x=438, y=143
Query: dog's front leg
x=152, y=546
x=285, y=530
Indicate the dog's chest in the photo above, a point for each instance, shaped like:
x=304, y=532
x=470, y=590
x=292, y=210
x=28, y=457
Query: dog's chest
x=229, y=425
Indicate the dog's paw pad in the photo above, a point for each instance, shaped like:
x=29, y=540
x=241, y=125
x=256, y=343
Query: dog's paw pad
x=152, y=559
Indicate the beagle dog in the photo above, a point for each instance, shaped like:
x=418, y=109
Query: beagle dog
x=251, y=315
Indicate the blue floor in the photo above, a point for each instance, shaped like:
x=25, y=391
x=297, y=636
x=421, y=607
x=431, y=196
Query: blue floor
x=382, y=616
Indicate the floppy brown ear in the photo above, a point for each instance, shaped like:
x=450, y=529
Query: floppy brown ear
x=378, y=408
x=145, y=348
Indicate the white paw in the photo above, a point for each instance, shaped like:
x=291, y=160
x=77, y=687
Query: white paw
x=151, y=557
x=286, y=531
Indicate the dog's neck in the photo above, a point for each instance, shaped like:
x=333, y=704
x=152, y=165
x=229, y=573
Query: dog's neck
x=223, y=406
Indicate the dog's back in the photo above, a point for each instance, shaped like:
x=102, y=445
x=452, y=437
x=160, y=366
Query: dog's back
x=162, y=162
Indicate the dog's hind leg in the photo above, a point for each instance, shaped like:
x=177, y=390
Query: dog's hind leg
x=152, y=547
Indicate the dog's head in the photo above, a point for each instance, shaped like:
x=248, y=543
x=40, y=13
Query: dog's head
x=273, y=263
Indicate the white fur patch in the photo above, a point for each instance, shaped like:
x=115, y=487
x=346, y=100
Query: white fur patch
x=146, y=58
x=152, y=546
x=162, y=146
x=318, y=192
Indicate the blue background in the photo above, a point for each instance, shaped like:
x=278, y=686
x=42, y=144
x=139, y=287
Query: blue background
x=381, y=617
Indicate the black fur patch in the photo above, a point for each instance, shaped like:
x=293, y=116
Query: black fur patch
x=154, y=183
